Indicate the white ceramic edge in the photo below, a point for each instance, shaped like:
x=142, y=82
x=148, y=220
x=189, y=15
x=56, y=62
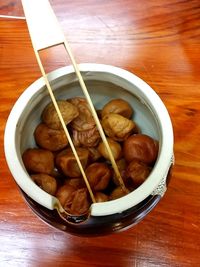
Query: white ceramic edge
x=97, y=209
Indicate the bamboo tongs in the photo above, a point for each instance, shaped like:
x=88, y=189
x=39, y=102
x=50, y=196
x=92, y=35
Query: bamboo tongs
x=45, y=32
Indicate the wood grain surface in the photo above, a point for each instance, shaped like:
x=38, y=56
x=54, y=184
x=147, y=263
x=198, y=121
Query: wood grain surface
x=160, y=42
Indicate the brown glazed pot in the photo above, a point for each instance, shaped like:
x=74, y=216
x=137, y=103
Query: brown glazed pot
x=104, y=83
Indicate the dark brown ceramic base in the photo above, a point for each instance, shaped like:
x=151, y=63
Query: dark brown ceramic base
x=100, y=225
x=97, y=225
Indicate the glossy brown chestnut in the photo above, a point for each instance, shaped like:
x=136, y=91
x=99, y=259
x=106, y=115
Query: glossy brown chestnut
x=140, y=147
x=138, y=172
x=98, y=175
x=38, y=160
x=118, y=106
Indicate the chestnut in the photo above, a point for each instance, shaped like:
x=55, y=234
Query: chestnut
x=101, y=197
x=140, y=147
x=75, y=182
x=115, y=149
x=117, y=127
x=85, y=120
x=66, y=161
x=65, y=194
x=80, y=203
x=50, y=116
x=88, y=138
x=117, y=193
x=74, y=201
x=46, y=182
x=50, y=139
x=38, y=160
x=121, y=164
x=94, y=154
x=118, y=106
x=98, y=175
x=138, y=172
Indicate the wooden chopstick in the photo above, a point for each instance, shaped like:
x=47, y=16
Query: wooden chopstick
x=45, y=32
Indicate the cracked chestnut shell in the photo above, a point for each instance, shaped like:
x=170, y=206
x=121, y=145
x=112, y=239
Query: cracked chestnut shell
x=140, y=147
x=50, y=116
x=118, y=106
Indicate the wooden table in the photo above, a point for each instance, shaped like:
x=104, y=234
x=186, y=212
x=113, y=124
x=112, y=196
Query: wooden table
x=160, y=42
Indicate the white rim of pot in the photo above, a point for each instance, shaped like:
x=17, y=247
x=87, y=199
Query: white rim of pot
x=105, y=208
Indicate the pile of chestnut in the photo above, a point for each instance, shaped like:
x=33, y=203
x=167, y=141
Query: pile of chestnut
x=52, y=164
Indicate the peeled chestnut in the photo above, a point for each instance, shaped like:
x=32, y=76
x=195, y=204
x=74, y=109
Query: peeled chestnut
x=50, y=116
x=98, y=175
x=74, y=201
x=66, y=161
x=118, y=106
x=65, y=194
x=46, y=182
x=115, y=149
x=140, y=147
x=50, y=139
x=88, y=138
x=138, y=172
x=75, y=182
x=85, y=120
x=101, y=197
x=80, y=203
x=38, y=160
x=117, y=127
